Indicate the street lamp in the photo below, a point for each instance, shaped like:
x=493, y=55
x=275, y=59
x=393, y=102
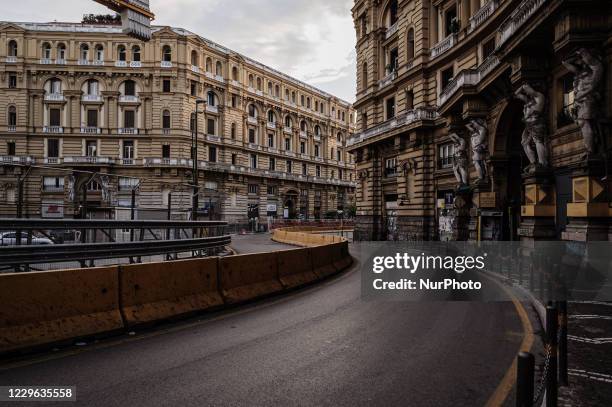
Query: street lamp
x=194, y=157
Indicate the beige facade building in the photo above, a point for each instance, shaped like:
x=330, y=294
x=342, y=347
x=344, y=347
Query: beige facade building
x=447, y=147
x=88, y=114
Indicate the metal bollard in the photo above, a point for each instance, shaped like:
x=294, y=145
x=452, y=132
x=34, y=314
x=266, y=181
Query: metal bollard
x=551, y=344
x=563, y=378
x=524, y=379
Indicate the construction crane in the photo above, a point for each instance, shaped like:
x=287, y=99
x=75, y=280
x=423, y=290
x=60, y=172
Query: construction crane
x=136, y=16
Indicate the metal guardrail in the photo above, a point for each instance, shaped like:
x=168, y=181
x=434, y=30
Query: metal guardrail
x=16, y=255
x=87, y=240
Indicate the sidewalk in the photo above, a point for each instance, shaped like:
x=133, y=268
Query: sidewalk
x=589, y=355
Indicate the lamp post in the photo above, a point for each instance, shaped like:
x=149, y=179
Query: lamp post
x=194, y=156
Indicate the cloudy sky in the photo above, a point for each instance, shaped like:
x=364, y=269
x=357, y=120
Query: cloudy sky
x=312, y=40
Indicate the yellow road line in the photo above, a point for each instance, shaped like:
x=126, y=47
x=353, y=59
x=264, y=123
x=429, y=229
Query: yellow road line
x=507, y=383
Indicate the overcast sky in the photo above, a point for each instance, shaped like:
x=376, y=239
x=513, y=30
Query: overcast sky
x=312, y=40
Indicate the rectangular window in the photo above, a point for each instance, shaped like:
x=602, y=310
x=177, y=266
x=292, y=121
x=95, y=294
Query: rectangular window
x=253, y=160
x=338, y=155
x=304, y=169
x=488, y=48
x=270, y=140
x=166, y=151
x=451, y=24
x=53, y=183
x=287, y=144
x=272, y=163
x=130, y=88
x=212, y=154
x=166, y=86
x=12, y=81
x=234, y=159
x=129, y=119
x=564, y=117
x=390, y=108
x=91, y=148
x=272, y=189
x=316, y=152
x=53, y=148
x=92, y=118
x=289, y=166
x=55, y=117
x=302, y=147
x=409, y=100
x=253, y=188
x=234, y=101
x=391, y=167
x=10, y=148
x=210, y=126
x=318, y=170
x=194, y=89
x=446, y=76
x=128, y=149
x=251, y=135
x=445, y=155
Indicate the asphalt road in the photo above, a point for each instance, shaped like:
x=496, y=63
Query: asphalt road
x=321, y=346
x=259, y=242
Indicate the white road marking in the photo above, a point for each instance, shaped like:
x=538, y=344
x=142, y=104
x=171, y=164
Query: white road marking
x=590, y=375
x=594, y=341
x=588, y=316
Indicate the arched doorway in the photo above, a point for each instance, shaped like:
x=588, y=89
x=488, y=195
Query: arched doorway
x=508, y=161
x=289, y=204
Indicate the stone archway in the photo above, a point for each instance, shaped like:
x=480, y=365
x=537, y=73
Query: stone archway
x=290, y=204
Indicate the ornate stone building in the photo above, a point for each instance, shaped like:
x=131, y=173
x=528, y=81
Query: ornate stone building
x=483, y=119
x=88, y=114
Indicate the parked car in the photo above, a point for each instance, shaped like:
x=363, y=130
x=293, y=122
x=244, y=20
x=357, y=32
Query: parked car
x=10, y=239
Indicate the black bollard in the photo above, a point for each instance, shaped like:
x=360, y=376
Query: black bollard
x=524, y=379
x=551, y=345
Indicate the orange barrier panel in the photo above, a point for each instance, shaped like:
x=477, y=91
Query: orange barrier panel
x=322, y=261
x=295, y=267
x=341, y=256
x=44, y=307
x=248, y=276
x=157, y=291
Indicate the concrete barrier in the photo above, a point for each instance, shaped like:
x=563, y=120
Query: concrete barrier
x=322, y=261
x=248, y=276
x=295, y=267
x=157, y=291
x=341, y=256
x=45, y=307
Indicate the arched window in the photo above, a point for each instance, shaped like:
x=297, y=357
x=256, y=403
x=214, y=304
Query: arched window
x=303, y=125
x=339, y=137
x=364, y=76
x=308, y=102
x=61, y=51
x=121, y=53
x=270, y=86
x=208, y=65
x=391, y=14
x=136, y=53
x=277, y=91
x=233, y=131
x=317, y=131
x=258, y=83
x=12, y=116
x=195, y=58
x=293, y=97
x=84, y=52
x=271, y=116
x=302, y=100
x=99, y=53
x=316, y=105
x=343, y=116
x=166, y=119
x=288, y=122
x=211, y=98
x=250, y=81
x=219, y=69
x=12, y=47
x=129, y=88
x=252, y=110
x=287, y=94
x=167, y=53
x=234, y=73
x=410, y=44
x=46, y=51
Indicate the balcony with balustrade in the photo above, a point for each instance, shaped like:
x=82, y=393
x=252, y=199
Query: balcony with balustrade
x=90, y=130
x=467, y=77
x=420, y=115
x=288, y=130
x=127, y=131
x=517, y=19
x=52, y=160
x=95, y=99
x=482, y=15
x=121, y=64
x=165, y=64
x=53, y=129
x=167, y=162
x=11, y=59
x=443, y=46
x=55, y=97
x=129, y=99
x=88, y=160
x=17, y=159
x=392, y=30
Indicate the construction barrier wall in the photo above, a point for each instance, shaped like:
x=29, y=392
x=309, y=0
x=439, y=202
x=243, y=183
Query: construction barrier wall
x=42, y=308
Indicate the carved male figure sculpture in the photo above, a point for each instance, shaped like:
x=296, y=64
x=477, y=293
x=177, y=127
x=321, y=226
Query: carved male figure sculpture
x=588, y=71
x=479, y=138
x=535, y=127
x=460, y=160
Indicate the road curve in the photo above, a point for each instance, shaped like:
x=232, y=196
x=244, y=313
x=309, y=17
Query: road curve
x=322, y=346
